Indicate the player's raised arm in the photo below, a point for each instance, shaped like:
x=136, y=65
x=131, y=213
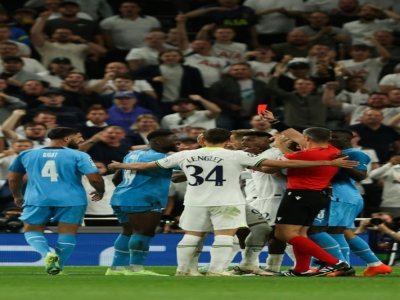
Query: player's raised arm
x=115, y=165
x=341, y=162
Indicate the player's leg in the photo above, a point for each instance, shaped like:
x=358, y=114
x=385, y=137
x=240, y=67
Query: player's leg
x=196, y=223
x=255, y=241
x=225, y=221
x=35, y=218
x=144, y=225
x=361, y=248
x=276, y=250
x=69, y=220
x=121, y=245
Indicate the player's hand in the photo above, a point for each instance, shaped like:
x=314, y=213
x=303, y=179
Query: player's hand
x=96, y=196
x=114, y=165
x=19, y=201
x=343, y=162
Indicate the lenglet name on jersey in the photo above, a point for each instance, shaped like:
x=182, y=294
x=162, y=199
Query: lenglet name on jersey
x=204, y=158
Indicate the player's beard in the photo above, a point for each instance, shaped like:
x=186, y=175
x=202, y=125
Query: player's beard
x=73, y=145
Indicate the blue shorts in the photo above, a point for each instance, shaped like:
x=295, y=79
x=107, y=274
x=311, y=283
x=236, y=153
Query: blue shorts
x=41, y=215
x=321, y=220
x=343, y=214
x=122, y=212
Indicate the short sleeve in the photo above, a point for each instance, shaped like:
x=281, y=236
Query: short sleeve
x=171, y=161
x=17, y=165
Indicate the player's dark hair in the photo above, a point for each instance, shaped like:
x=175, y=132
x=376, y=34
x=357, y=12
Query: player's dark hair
x=158, y=133
x=257, y=134
x=217, y=135
x=318, y=134
x=61, y=132
x=346, y=132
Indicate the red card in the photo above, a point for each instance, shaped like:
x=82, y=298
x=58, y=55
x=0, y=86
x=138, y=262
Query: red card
x=261, y=108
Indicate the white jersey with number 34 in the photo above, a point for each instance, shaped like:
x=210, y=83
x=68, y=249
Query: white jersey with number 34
x=212, y=174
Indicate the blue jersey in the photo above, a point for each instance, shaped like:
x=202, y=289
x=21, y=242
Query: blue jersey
x=344, y=187
x=54, y=175
x=143, y=188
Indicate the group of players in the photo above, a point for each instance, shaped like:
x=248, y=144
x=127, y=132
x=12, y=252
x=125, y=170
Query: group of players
x=314, y=217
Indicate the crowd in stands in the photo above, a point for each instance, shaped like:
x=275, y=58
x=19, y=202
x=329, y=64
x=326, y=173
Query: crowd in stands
x=118, y=70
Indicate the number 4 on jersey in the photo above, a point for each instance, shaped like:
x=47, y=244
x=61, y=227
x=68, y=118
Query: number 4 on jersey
x=50, y=170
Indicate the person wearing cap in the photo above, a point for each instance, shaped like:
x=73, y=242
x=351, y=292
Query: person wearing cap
x=30, y=64
x=14, y=73
x=186, y=114
x=125, y=110
x=296, y=68
x=53, y=101
x=63, y=43
x=58, y=69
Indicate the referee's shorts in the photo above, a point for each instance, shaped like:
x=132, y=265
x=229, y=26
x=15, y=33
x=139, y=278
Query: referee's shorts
x=300, y=207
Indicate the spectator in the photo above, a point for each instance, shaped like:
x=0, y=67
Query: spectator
x=5, y=36
x=319, y=30
x=127, y=30
x=390, y=81
x=8, y=104
x=194, y=132
x=20, y=24
x=296, y=45
x=30, y=65
x=116, y=79
x=63, y=43
x=30, y=91
x=148, y=55
x=262, y=65
x=389, y=175
x=125, y=110
x=58, y=69
x=67, y=116
x=171, y=79
x=137, y=135
x=14, y=73
x=107, y=145
x=54, y=6
x=87, y=30
x=223, y=46
x=231, y=13
x=186, y=115
x=320, y=5
x=374, y=134
x=368, y=23
x=238, y=96
x=276, y=19
x=361, y=63
x=296, y=68
x=260, y=124
x=345, y=12
x=387, y=40
x=35, y=132
x=96, y=117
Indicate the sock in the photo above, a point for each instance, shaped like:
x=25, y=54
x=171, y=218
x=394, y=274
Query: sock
x=274, y=262
x=255, y=242
x=38, y=242
x=360, y=248
x=64, y=247
x=290, y=252
x=308, y=247
x=121, y=251
x=344, y=246
x=235, y=250
x=328, y=243
x=185, y=252
x=302, y=260
x=194, y=262
x=220, y=253
x=139, y=245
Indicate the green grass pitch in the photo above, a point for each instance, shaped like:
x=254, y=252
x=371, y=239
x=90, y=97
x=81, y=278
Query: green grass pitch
x=32, y=283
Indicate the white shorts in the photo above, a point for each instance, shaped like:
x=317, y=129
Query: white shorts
x=211, y=218
x=253, y=216
x=268, y=208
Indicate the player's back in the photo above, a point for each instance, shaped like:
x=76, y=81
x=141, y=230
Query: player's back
x=54, y=175
x=213, y=175
x=344, y=186
x=143, y=186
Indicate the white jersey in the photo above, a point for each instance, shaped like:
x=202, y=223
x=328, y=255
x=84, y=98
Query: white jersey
x=212, y=174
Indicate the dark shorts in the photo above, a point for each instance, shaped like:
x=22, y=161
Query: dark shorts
x=300, y=207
